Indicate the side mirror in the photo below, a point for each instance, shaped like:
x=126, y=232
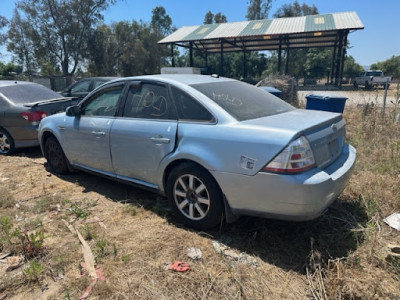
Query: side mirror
x=73, y=111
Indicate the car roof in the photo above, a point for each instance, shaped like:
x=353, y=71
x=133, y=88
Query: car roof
x=187, y=79
x=13, y=82
x=99, y=78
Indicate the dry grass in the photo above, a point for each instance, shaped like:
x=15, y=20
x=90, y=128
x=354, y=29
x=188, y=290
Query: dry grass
x=341, y=255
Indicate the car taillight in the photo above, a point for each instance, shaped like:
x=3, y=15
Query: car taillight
x=295, y=158
x=33, y=116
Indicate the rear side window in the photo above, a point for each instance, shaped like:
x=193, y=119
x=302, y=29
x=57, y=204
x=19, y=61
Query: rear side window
x=188, y=108
x=97, y=84
x=80, y=87
x=149, y=101
x=242, y=100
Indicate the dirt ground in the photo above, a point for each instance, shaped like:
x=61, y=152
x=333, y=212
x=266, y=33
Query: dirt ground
x=132, y=238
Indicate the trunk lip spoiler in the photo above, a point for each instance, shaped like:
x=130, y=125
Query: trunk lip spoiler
x=37, y=103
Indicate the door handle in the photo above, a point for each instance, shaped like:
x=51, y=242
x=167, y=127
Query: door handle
x=99, y=133
x=61, y=127
x=160, y=140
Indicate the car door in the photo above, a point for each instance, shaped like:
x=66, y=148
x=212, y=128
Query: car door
x=86, y=141
x=144, y=134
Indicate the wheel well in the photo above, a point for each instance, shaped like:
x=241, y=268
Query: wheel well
x=177, y=163
x=45, y=137
x=229, y=217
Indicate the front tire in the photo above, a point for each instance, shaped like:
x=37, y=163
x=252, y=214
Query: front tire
x=195, y=196
x=55, y=156
x=7, y=146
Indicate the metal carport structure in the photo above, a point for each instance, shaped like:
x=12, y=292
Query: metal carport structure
x=281, y=34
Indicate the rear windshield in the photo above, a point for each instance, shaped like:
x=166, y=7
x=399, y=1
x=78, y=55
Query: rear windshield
x=374, y=73
x=28, y=93
x=242, y=100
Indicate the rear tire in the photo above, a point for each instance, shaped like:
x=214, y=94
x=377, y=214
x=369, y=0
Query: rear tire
x=195, y=196
x=55, y=156
x=7, y=146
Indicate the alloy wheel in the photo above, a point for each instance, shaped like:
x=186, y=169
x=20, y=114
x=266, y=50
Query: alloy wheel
x=191, y=197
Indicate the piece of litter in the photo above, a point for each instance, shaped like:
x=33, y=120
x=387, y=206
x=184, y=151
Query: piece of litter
x=393, y=221
x=219, y=247
x=194, y=253
x=179, y=266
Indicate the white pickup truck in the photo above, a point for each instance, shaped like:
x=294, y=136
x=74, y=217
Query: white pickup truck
x=371, y=79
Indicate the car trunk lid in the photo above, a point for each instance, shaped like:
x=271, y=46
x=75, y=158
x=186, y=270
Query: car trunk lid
x=325, y=131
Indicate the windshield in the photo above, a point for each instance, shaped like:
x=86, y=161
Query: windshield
x=242, y=100
x=28, y=93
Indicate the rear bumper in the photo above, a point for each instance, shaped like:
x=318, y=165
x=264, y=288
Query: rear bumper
x=24, y=136
x=290, y=197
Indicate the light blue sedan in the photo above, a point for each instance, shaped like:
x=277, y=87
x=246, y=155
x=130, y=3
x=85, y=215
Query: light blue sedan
x=216, y=147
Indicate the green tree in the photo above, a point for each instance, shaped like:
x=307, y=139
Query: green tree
x=160, y=21
x=208, y=18
x=295, y=10
x=390, y=67
x=103, y=51
x=220, y=18
x=351, y=67
x=258, y=9
x=304, y=62
x=10, y=69
x=60, y=29
x=20, y=44
x=3, y=24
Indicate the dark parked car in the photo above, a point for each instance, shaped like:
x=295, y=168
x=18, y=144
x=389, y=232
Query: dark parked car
x=214, y=146
x=83, y=87
x=22, y=106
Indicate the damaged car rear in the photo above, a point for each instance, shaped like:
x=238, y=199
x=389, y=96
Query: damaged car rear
x=214, y=146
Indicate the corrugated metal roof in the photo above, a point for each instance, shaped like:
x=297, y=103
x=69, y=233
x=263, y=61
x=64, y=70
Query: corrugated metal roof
x=258, y=27
x=227, y=29
x=269, y=34
x=287, y=25
x=347, y=20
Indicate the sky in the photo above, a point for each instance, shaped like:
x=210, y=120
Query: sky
x=378, y=41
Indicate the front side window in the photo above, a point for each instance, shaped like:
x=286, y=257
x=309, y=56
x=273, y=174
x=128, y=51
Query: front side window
x=104, y=103
x=148, y=101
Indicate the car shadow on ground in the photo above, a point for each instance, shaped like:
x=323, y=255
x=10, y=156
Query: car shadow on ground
x=32, y=152
x=287, y=245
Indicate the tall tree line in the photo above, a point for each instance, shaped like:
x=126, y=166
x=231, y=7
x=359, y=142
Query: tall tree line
x=69, y=37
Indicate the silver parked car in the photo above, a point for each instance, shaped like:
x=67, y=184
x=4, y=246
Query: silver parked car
x=22, y=106
x=84, y=86
x=214, y=146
